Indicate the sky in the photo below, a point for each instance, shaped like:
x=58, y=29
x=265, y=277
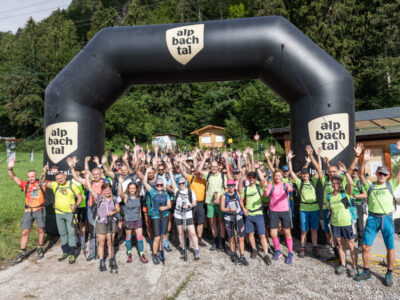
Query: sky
x=15, y=13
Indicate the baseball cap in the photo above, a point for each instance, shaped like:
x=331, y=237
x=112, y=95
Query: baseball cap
x=383, y=169
x=304, y=170
x=356, y=168
x=190, y=158
x=236, y=171
x=159, y=180
x=285, y=168
x=181, y=179
x=231, y=182
x=251, y=174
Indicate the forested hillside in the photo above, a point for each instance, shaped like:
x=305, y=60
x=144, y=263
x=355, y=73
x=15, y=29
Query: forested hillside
x=362, y=35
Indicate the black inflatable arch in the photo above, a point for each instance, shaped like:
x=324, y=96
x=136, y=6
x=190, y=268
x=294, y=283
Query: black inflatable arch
x=318, y=89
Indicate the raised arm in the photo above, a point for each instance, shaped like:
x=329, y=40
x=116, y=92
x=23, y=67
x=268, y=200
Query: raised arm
x=310, y=152
x=398, y=172
x=206, y=156
x=319, y=152
x=342, y=168
x=89, y=187
x=155, y=158
x=251, y=152
x=71, y=164
x=367, y=157
x=146, y=184
x=290, y=157
x=87, y=170
x=171, y=175
x=225, y=155
x=184, y=174
x=270, y=166
x=120, y=192
x=357, y=151
x=14, y=178
x=109, y=170
x=259, y=172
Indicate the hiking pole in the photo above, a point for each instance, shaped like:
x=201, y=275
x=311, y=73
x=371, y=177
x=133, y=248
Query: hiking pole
x=184, y=233
x=162, y=239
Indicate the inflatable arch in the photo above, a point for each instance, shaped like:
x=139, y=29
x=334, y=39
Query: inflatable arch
x=318, y=89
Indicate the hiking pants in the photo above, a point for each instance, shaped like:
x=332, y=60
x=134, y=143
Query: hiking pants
x=67, y=232
x=360, y=222
x=92, y=234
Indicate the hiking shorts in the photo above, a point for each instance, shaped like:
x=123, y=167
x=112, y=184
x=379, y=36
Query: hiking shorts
x=309, y=218
x=229, y=228
x=213, y=210
x=253, y=222
x=155, y=225
x=343, y=232
x=373, y=225
x=179, y=222
x=132, y=225
x=29, y=217
x=279, y=216
x=101, y=228
x=81, y=213
x=325, y=213
x=199, y=213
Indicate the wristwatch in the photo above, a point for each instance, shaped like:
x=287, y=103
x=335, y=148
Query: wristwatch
x=10, y=169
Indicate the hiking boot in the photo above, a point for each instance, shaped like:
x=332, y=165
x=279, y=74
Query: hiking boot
x=201, y=243
x=20, y=257
x=266, y=259
x=63, y=256
x=352, y=273
x=196, y=254
x=213, y=247
x=129, y=259
x=39, y=253
x=113, y=264
x=221, y=247
x=103, y=267
x=364, y=275
x=234, y=258
x=289, y=258
x=183, y=253
x=72, y=259
x=243, y=261
x=388, y=279
x=156, y=261
x=334, y=258
x=168, y=248
x=277, y=255
x=302, y=252
x=143, y=259
x=315, y=252
x=90, y=257
x=253, y=253
x=340, y=269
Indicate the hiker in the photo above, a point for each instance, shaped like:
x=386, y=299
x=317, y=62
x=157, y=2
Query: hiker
x=251, y=203
x=198, y=185
x=158, y=205
x=215, y=188
x=380, y=215
x=342, y=212
x=185, y=201
x=309, y=207
x=34, y=210
x=279, y=211
x=65, y=193
x=132, y=218
x=234, y=224
x=105, y=222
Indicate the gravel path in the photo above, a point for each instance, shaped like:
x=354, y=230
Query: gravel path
x=213, y=277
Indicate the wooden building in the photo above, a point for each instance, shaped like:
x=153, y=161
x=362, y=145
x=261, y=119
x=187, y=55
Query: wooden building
x=210, y=136
x=165, y=140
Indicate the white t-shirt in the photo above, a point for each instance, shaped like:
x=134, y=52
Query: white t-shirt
x=183, y=198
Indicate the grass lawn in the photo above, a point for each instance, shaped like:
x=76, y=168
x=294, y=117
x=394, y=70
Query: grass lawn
x=12, y=201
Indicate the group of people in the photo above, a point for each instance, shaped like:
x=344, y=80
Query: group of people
x=236, y=199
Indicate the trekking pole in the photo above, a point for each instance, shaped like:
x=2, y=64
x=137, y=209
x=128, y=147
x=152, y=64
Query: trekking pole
x=236, y=231
x=162, y=239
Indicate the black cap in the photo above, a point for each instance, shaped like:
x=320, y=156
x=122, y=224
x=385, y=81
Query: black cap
x=383, y=169
x=304, y=170
x=252, y=174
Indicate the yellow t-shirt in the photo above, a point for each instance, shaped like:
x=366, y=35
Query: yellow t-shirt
x=64, y=196
x=198, y=186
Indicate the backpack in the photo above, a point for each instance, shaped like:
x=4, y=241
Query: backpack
x=70, y=187
x=389, y=187
x=189, y=194
x=222, y=177
x=245, y=195
x=301, y=189
x=150, y=203
x=96, y=207
x=352, y=208
x=26, y=192
x=227, y=202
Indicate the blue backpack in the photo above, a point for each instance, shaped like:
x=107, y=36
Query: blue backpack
x=236, y=199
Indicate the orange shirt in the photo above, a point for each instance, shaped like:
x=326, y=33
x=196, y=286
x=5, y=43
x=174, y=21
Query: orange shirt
x=34, y=197
x=96, y=186
x=198, y=186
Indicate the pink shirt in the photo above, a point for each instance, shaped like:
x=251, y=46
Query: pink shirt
x=279, y=199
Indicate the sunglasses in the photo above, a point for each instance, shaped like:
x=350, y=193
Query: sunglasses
x=382, y=174
x=159, y=185
x=252, y=177
x=160, y=169
x=181, y=183
x=231, y=185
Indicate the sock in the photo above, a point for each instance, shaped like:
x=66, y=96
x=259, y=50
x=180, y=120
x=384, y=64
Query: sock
x=101, y=260
x=335, y=250
x=22, y=250
x=314, y=245
x=128, y=243
x=166, y=242
x=389, y=271
x=216, y=240
x=276, y=243
x=151, y=244
x=140, y=246
x=289, y=243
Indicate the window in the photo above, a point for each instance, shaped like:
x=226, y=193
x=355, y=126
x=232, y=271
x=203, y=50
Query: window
x=206, y=139
x=219, y=139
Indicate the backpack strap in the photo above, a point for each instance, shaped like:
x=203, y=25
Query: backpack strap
x=190, y=196
x=208, y=177
x=191, y=180
x=223, y=180
x=258, y=190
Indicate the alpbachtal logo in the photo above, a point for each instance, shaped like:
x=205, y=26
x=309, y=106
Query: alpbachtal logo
x=185, y=42
x=331, y=133
x=61, y=140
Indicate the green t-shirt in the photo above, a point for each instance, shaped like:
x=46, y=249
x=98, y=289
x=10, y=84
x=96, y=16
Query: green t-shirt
x=380, y=200
x=309, y=200
x=213, y=185
x=356, y=188
x=253, y=199
x=82, y=191
x=327, y=184
x=340, y=215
